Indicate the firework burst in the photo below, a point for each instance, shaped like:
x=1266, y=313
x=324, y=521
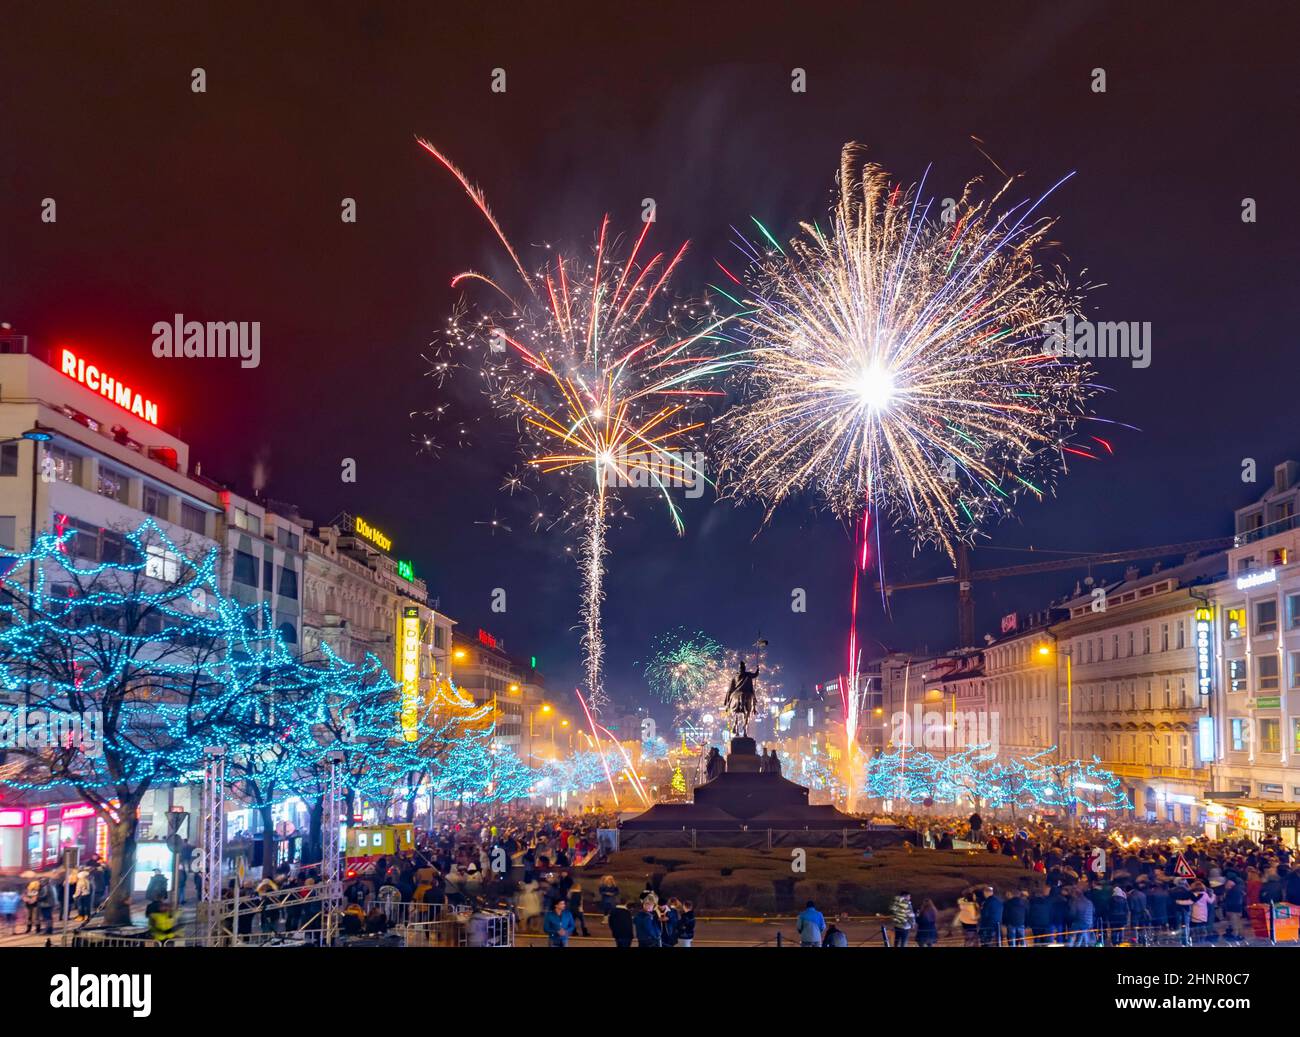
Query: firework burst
x=899, y=365
x=901, y=369
x=686, y=671
x=605, y=376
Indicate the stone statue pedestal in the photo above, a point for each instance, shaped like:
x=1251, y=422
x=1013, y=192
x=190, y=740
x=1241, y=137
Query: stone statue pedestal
x=743, y=757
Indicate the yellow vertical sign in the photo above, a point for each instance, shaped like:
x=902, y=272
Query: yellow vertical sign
x=408, y=665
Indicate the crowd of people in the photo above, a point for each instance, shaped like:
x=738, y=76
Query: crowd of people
x=75, y=892
x=1086, y=888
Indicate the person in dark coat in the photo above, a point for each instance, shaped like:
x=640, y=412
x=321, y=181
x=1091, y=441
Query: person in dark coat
x=1158, y=906
x=927, y=924
x=648, y=930
x=1015, y=909
x=686, y=925
x=621, y=927
x=990, y=930
x=1039, y=917
x=1059, y=911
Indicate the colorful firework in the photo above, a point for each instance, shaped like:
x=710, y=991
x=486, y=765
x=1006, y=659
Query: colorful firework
x=899, y=361
x=605, y=377
x=686, y=671
x=901, y=369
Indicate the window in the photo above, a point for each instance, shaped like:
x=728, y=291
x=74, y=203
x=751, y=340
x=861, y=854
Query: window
x=1130, y=644
x=61, y=465
x=1293, y=670
x=1234, y=623
x=245, y=569
x=8, y=531
x=1295, y=735
x=1277, y=557
x=288, y=582
x=193, y=519
x=1164, y=637
x=285, y=538
x=113, y=548
x=9, y=459
x=288, y=633
x=112, y=483
x=1292, y=611
x=1270, y=735
x=1240, y=728
x=246, y=521
x=1146, y=640
x=268, y=575
x=1266, y=672
x=1114, y=646
x=155, y=502
x=1178, y=629
x=161, y=564
x=1090, y=651
x=1266, y=617
x=1236, y=674
x=1245, y=565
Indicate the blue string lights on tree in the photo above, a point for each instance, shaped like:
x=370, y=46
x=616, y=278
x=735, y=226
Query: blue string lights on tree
x=977, y=773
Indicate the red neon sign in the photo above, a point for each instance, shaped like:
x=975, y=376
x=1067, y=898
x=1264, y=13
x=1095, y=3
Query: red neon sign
x=487, y=638
x=36, y=817
x=78, y=812
x=12, y=818
x=98, y=380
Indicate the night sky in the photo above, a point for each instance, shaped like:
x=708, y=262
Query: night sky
x=225, y=206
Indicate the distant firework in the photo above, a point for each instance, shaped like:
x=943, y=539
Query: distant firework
x=683, y=668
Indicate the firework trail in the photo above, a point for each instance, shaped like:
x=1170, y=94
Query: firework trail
x=900, y=367
x=605, y=376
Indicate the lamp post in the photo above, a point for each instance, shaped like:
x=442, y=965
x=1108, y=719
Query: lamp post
x=1064, y=650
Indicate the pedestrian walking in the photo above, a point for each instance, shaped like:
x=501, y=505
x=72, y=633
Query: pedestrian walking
x=904, y=918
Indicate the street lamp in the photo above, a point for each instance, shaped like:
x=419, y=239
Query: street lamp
x=1045, y=651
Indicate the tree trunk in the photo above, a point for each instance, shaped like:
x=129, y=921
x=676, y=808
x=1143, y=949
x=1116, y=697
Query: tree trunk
x=268, y=841
x=315, y=840
x=121, y=852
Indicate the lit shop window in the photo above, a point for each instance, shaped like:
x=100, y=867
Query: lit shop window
x=1236, y=674
x=112, y=483
x=1270, y=735
x=1234, y=623
x=162, y=565
x=61, y=465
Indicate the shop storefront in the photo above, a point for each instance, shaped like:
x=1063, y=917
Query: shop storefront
x=31, y=838
x=1255, y=819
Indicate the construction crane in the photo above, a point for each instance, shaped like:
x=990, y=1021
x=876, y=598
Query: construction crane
x=965, y=578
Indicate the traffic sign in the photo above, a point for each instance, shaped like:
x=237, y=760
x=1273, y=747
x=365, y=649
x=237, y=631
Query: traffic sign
x=1182, y=869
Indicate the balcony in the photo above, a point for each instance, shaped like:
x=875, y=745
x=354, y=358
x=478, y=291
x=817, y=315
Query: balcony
x=1269, y=529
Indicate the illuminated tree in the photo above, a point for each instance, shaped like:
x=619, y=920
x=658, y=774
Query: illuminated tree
x=132, y=635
